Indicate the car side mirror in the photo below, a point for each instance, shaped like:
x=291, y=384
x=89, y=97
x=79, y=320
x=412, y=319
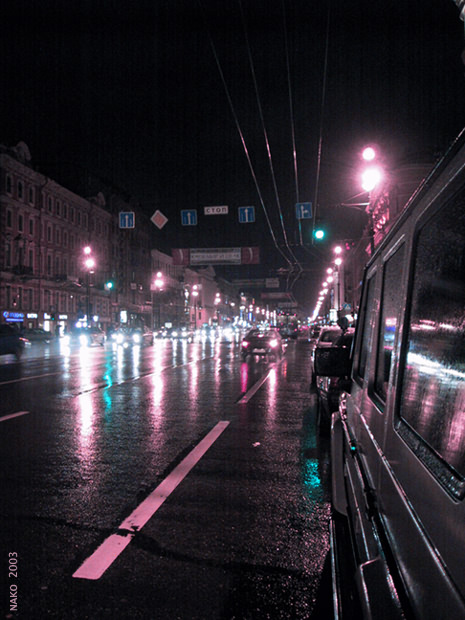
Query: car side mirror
x=332, y=362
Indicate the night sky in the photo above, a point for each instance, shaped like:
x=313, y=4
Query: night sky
x=132, y=93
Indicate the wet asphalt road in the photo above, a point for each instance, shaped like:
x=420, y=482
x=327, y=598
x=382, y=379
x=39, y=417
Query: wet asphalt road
x=205, y=473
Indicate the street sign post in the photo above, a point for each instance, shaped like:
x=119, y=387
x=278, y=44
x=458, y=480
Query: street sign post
x=127, y=219
x=303, y=210
x=246, y=215
x=189, y=217
x=222, y=210
x=159, y=219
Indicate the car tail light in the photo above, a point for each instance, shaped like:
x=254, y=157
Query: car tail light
x=245, y=344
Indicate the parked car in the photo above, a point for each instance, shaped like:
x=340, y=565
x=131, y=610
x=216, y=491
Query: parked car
x=133, y=336
x=11, y=341
x=267, y=342
x=398, y=438
x=36, y=334
x=327, y=336
x=329, y=388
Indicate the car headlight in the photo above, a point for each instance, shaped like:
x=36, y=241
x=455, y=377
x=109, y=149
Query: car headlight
x=83, y=339
x=66, y=340
x=136, y=338
x=119, y=338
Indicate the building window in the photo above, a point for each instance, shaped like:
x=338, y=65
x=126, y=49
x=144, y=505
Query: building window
x=71, y=214
x=31, y=259
x=49, y=265
x=9, y=219
x=31, y=226
x=65, y=239
x=8, y=184
x=65, y=210
x=58, y=207
x=57, y=236
x=31, y=195
x=20, y=189
x=50, y=204
x=79, y=218
x=20, y=222
x=49, y=233
x=57, y=265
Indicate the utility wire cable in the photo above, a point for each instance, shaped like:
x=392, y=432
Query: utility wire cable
x=294, y=150
x=267, y=142
x=244, y=145
x=320, y=139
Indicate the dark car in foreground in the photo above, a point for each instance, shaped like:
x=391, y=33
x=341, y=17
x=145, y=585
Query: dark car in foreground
x=329, y=388
x=257, y=342
x=11, y=341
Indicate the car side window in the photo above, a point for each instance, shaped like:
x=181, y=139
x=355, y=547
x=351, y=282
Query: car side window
x=367, y=327
x=433, y=388
x=391, y=302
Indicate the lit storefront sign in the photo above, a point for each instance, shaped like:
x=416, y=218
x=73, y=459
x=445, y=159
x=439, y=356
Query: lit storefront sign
x=13, y=317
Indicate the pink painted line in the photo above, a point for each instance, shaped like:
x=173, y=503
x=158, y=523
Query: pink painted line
x=13, y=415
x=110, y=549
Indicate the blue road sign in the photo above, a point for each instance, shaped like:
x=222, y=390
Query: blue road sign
x=189, y=217
x=303, y=210
x=246, y=215
x=127, y=219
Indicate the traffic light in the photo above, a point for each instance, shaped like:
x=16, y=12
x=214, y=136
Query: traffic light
x=319, y=233
x=109, y=285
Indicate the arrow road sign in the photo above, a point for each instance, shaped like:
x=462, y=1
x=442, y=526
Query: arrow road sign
x=189, y=217
x=127, y=219
x=303, y=210
x=246, y=215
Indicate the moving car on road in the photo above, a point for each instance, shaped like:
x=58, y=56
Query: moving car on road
x=133, y=336
x=36, y=334
x=258, y=342
x=85, y=336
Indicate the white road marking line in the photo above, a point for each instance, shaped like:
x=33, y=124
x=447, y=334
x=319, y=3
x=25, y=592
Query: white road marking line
x=13, y=415
x=102, y=558
x=254, y=389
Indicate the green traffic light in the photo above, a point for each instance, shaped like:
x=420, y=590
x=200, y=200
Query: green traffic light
x=319, y=234
x=109, y=285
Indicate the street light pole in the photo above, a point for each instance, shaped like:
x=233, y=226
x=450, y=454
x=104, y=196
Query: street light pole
x=89, y=264
x=157, y=286
x=195, y=294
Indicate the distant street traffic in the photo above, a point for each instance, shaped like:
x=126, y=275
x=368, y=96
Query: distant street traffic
x=171, y=481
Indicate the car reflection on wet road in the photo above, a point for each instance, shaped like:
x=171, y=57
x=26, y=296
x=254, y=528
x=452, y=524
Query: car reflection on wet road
x=170, y=481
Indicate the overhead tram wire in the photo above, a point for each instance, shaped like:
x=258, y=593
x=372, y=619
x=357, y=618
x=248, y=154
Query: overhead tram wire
x=320, y=138
x=244, y=145
x=294, y=149
x=267, y=142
